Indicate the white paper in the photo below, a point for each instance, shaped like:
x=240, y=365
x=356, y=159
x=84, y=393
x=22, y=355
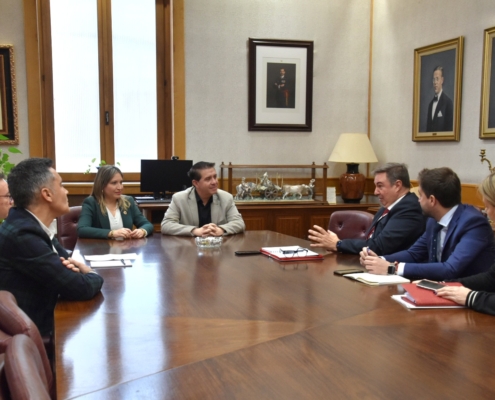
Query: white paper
x=108, y=257
x=109, y=263
x=373, y=279
x=279, y=251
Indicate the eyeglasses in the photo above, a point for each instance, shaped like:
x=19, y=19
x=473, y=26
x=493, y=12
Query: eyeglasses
x=295, y=253
x=8, y=196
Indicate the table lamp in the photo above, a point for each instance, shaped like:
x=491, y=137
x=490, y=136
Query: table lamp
x=352, y=149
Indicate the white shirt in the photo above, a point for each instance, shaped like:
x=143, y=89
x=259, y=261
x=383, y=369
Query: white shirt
x=435, y=103
x=115, y=220
x=50, y=234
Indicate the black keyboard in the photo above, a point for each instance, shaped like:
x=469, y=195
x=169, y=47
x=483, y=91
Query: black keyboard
x=153, y=201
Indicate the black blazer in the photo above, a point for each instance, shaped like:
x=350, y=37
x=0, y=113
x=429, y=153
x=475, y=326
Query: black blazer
x=445, y=122
x=398, y=230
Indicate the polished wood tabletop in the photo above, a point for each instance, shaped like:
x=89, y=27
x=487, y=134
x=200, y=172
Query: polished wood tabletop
x=185, y=323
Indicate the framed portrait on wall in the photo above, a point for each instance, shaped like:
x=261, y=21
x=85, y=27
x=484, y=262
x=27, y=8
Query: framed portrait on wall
x=280, y=85
x=487, y=119
x=8, y=97
x=437, y=91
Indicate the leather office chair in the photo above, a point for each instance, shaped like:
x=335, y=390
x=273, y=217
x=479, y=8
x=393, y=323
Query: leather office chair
x=4, y=388
x=14, y=321
x=24, y=370
x=350, y=224
x=67, y=228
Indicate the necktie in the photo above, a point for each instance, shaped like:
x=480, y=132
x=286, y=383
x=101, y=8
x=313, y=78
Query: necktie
x=434, y=243
x=435, y=98
x=385, y=212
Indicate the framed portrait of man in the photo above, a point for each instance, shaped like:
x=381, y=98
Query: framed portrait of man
x=8, y=99
x=487, y=120
x=280, y=85
x=437, y=91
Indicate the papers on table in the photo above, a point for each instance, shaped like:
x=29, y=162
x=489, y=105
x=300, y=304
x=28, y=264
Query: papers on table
x=374, y=280
x=291, y=253
x=111, y=260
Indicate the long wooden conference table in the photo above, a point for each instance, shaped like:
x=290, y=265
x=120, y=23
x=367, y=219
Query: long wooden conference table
x=185, y=323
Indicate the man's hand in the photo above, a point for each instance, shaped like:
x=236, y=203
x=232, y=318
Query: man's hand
x=373, y=263
x=75, y=265
x=208, y=230
x=323, y=238
x=457, y=294
x=365, y=252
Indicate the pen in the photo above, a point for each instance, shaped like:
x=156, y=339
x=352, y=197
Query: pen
x=123, y=262
x=368, y=250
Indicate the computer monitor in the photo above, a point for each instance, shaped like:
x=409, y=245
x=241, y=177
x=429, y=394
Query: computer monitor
x=165, y=176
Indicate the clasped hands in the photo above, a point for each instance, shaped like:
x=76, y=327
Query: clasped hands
x=208, y=230
x=373, y=264
x=126, y=233
x=75, y=266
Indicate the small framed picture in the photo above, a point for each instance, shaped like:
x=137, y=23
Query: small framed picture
x=487, y=120
x=437, y=91
x=8, y=99
x=280, y=85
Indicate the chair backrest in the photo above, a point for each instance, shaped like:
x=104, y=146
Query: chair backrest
x=14, y=321
x=4, y=387
x=350, y=224
x=24, y=370
x=67, y=228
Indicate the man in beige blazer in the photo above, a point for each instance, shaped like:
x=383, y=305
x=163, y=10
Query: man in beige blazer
x=203, y=209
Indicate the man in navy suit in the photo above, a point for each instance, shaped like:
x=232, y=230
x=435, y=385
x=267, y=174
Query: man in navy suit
x=458, y=240
x=440, y=116
x=397, y=224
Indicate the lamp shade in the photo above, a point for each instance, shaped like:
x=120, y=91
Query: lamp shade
x=353, y=148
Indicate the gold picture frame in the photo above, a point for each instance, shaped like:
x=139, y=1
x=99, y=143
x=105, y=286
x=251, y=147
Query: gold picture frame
x=8, y=97
x=437, y=91
x=487, y=117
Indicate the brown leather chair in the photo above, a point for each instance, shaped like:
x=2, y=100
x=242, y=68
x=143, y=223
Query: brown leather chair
x=4, y=388
x=67, y=228
x=24, y=370
x=350, y=224
x=14, y=321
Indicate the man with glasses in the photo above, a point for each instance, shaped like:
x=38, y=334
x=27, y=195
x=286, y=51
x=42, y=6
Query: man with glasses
x=440, y=116
x=5, y=199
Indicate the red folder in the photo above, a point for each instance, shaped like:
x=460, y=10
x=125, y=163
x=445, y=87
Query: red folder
x=425, y=297
x=274, y=255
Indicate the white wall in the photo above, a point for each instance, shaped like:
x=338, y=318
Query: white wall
x=216, y=38
x=399, y=28
x=12, y=32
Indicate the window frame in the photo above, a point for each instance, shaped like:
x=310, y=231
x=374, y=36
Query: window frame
x=40, y=83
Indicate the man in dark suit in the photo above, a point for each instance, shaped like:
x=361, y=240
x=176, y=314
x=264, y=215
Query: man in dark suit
x=33, y=265
x=397, y=224
x=458, y=240
x=440, y=116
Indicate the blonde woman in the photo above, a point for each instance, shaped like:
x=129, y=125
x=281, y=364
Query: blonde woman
x=108, y=214
x=478, y=291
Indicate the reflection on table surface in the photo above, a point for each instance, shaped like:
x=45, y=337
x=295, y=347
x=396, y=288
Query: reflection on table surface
x=189, y=323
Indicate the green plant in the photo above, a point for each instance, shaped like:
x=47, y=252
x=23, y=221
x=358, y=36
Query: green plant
x=5, y=164
x=102, y=163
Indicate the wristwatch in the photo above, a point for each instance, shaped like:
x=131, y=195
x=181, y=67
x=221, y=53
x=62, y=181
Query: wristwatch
x=391, y=269
x=338, y=245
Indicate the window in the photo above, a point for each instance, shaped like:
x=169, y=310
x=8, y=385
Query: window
x=106, y=63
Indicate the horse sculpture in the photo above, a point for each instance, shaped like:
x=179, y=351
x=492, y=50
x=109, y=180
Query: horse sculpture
x=244, y=189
